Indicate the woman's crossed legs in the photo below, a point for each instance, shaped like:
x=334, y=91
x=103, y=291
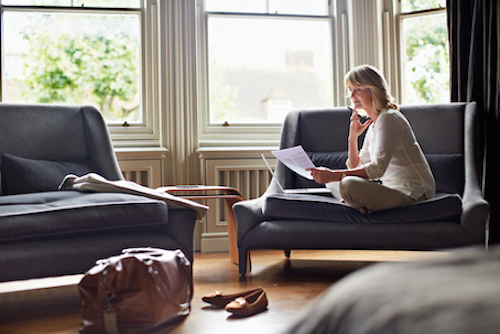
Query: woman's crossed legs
x=366, y=195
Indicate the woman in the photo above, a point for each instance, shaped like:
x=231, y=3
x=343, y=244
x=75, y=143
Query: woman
x=390, y=170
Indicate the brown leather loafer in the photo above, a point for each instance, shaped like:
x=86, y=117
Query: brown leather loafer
x=251, y=304
x=221, y=300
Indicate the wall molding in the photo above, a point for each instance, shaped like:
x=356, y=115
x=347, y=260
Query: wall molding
x=179, y=98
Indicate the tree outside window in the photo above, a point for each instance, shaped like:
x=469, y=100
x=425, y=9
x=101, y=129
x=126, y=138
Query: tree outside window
x=261, y=66
x=74, y=57
x=424, y=52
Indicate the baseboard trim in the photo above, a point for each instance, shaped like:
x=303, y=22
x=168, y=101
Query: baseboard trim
x=214, y=242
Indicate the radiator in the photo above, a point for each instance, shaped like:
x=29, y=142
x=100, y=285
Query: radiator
x=250, y=176
x=138, y=176
x=143, y=172
x=252, y=182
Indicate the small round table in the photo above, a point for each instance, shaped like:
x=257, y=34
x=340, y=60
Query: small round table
x=229, y=194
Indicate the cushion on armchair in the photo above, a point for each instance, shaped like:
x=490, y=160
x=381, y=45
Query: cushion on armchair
x=333, y=160
x=314, y=207
x=448, y=169
x=21, y=175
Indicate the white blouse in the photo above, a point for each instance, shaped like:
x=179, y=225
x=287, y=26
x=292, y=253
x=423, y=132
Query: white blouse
x=391, y=154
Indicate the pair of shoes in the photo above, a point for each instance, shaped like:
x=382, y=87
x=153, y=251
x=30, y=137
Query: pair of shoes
x=219, y=300
x=248, y=305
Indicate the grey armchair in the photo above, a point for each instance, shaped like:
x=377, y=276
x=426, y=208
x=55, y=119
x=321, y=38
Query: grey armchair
x=457, y=216
x=48, y=232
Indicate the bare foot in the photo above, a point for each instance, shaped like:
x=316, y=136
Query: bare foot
x=363, y=210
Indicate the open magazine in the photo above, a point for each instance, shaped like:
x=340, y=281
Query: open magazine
x=96, y=183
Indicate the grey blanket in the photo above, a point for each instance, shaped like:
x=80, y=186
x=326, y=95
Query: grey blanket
x=459, y=294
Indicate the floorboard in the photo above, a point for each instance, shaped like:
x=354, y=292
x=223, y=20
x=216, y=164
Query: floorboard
x=53, y=305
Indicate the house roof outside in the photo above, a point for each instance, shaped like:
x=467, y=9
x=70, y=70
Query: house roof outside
x=252, y=87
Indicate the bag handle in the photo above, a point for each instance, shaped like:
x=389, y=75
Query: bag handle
x=144, y=250
x=180, y=257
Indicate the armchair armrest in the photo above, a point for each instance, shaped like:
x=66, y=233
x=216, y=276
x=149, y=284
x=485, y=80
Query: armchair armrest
x=475, y=209
x=248, y=214
x=475, y=215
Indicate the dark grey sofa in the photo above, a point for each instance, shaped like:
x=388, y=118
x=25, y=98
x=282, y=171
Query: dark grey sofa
x=457, y=216
x=47, y=232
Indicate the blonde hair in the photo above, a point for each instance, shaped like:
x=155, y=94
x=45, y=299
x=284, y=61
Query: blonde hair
x=370, y=77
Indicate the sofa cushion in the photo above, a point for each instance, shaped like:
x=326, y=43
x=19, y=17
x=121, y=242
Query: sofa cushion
x=333, y=160
x=22, y=175
x=61, y=213
x=313, y=207
x=448, y=170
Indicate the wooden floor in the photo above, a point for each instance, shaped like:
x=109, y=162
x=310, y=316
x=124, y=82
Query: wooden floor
x=53, y=305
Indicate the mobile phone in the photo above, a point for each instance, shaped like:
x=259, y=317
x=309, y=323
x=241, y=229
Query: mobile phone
x=350, y=108
x=363, y=119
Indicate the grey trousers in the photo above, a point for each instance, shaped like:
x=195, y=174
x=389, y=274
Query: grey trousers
x=362, y=193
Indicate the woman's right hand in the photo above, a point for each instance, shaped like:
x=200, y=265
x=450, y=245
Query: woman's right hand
x=325, y=175
x=356, y=128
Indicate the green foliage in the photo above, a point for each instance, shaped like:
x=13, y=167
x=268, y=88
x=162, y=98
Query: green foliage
x=222, y=106
x=427, y=59
x=416, y=5
x=101, y=70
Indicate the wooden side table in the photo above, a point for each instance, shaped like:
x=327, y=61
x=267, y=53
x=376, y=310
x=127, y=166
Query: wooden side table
x=229, y=194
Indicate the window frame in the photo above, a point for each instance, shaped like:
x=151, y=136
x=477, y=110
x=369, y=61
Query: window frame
x=147, y=132
x=401, y=16
x=242, y=134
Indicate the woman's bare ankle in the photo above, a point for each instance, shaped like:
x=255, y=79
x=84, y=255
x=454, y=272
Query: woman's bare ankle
x=363, y=210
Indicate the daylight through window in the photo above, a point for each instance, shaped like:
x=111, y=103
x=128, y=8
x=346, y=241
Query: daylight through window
x=261, y=66
x=69, y=53
x=425, y=56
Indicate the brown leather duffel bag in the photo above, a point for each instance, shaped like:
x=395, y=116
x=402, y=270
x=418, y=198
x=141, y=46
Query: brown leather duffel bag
x=137, y=291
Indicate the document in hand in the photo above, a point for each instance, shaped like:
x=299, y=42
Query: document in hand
x=296, y=159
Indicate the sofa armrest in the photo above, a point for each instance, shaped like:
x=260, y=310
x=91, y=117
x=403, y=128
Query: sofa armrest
x=475, y=209
x=180, y=227
x=248, y=214
x=475, y=215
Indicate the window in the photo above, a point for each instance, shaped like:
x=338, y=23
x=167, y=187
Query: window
x=265, y=58
x=425, y=57
x=79, y=52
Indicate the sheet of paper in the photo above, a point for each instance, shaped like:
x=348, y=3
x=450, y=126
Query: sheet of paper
x=296, y=159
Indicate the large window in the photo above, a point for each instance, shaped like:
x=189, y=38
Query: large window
x=425, y=68
x=265, y=58
x=76, y=52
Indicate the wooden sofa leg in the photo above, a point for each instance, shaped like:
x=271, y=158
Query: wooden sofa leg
x=288, y=253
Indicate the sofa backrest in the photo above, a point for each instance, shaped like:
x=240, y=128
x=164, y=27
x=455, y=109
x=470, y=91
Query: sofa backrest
x=439, y=128
x=323, y=134
x=43, y=132
x=57, y=133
